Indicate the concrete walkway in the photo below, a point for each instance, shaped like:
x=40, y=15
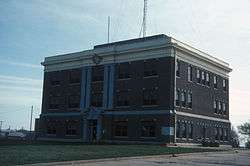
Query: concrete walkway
x=229, y=158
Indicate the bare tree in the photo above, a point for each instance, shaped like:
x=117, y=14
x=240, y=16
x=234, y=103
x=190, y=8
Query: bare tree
x=244, y=129
x=234, y=138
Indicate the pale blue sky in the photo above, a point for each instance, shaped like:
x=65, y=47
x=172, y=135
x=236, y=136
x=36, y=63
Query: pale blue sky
x=31, y=30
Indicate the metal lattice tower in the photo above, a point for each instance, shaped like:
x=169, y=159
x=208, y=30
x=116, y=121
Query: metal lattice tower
x=144, y=23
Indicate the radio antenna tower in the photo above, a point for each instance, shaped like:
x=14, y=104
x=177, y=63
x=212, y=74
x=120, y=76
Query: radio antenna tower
x=144, y=21
x=145, y=10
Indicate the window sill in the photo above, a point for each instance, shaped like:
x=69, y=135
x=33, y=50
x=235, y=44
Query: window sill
x=122, y=107
x=74, y=109
x=55, y=85
x=153, y=76
x=120, y=136
x=206, y=86
x=148, y=137
x=123, y=79
x=67, y=135
x=53, y=109
x=73, y=84
x=150, y=106
x=96, y=82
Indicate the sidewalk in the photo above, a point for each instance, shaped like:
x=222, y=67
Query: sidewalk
x=207, y=158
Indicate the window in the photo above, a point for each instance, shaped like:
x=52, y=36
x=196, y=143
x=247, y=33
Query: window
x=183, y=99
x=198, y=76
x=178, y=68
x=96, y=99
x=55, y=78
x=51, y=127
x=122, y=98
x=150, y=96
x=178, y=130
x=74, y=76
x=121, y=128
x=177, y=98
x=204, y=132
x=124, y=71
x=215, y=106
x=190, y=73
x=71, y=127
x=203, y=78
x=150, y=68
x=74, y=101
x=190, y=131
x=216, y=133
x=189, y=100
x=207, y=79
x=54, y=102
x=215, y=82
x=221, y=133
x=219, y=107
x=97, y=73
x=183, y=130
x=225, y=135
x=224, y=84
x=148, y=128
x=224, y=108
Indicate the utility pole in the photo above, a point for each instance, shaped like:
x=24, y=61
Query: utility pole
x=108, y=28
x=144, y=23
x=31, y=114
x=1, y=123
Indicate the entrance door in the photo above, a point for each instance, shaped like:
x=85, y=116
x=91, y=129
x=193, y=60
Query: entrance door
x=92, y=130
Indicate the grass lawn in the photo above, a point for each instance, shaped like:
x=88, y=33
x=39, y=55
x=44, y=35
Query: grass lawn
x=41, y=153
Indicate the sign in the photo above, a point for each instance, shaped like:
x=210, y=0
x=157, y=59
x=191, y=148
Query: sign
x=167, y=131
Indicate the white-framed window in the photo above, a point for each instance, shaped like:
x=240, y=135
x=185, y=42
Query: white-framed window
x=215, y=82
x=189, y=99
x=215, y=105
x=178, y=68
x=203, y=78
x=177, y=97
x=198, y=75
x=224, y=108
x=219, y=105
x=190, y=73
x=183, y=99
x=224, y=84
x=207, y=79
x=203, y=75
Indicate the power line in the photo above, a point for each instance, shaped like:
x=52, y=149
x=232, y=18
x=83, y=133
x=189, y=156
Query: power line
x=144, y=21
x=108, y=28
x=145, y=18
x=1, y=123
x=118, y=20
x=31, y=114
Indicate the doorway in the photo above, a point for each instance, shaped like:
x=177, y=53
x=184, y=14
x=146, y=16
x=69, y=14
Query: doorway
x=92, y=127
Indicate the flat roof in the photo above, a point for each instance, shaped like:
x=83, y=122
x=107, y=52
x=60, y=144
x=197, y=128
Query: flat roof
x=149, y=41
x=169, y=40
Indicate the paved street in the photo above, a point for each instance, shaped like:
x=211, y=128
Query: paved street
x=242, y=158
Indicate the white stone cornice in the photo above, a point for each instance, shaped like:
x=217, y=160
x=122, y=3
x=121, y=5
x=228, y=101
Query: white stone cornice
x=138, y=49
x=202, y=117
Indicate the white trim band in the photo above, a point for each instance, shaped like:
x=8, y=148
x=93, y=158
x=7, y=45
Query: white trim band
x=202, y=117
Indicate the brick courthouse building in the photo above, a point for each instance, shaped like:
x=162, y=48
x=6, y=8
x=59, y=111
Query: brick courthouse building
x=153, y=89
